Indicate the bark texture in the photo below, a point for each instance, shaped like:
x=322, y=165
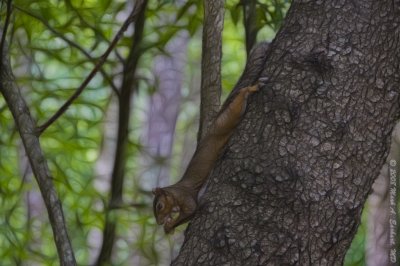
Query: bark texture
x=292, y=183
x=211, y=63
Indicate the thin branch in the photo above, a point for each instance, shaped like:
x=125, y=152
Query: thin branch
x=250, y=24
x=94, y=29
x=5, y=28
x=26, y=127
x=129, y=84
x=211, y=64
x=70, y=43
x=131, y=18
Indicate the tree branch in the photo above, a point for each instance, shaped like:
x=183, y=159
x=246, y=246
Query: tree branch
x=93, y=28
x=131, y=18
x=5, y=28
x=211, y=63
x=27, y=129
x=71, y=43
x=250, y=24
x=118, y=174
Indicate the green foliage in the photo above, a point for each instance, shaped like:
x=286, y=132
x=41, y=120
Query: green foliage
x=355, y=255
x=269, y=12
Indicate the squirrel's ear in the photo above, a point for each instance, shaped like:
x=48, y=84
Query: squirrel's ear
x=157, y=191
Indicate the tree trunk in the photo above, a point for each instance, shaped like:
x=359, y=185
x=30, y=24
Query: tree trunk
x=292, y=183
x=211, y=63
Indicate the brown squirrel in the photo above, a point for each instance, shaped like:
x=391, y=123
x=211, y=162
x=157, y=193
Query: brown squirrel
x=176, y=204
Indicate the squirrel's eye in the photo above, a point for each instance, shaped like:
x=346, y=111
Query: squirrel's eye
x=160, y=206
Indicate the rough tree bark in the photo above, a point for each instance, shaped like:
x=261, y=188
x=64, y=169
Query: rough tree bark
x=211, y=63
x=295, y=175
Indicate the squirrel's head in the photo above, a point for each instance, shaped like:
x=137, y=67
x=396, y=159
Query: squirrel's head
x=163, y=206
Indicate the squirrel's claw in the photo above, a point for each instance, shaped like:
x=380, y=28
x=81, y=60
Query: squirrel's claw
x=253, y=88
x=262, y=81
